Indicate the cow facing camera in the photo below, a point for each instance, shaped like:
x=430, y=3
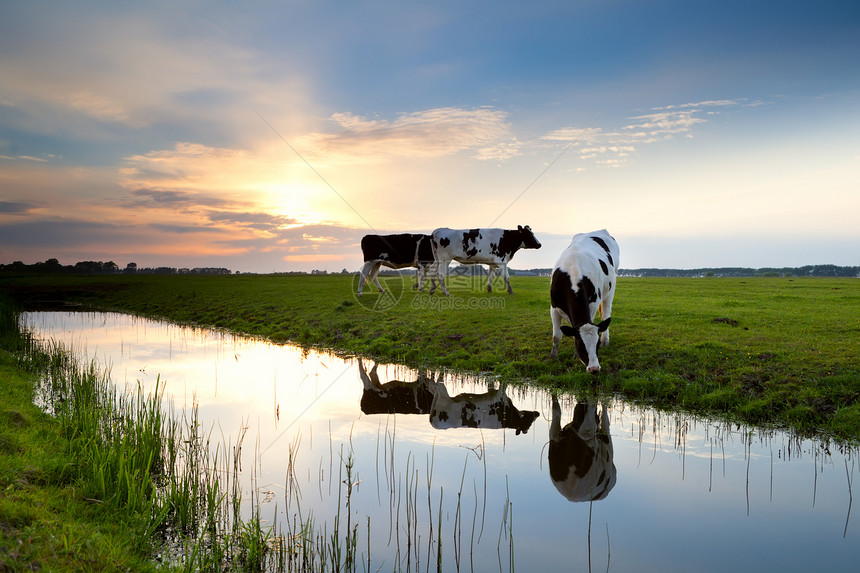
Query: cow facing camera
x=393, y=286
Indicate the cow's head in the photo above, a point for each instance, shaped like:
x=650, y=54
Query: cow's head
x=528, y=238
x=587, y=338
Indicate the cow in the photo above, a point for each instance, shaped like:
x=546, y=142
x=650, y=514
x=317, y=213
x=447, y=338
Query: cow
x=583, y=282
x=581, y=457
x=396, y=252
x=491, y=410
x=492, y=247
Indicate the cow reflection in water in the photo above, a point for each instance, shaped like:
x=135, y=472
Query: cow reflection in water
x=394, y=397
x=580, y=454
x=490, y=410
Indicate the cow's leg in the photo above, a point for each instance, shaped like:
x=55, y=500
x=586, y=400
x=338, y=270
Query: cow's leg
x=433, y=272
x=366, y=270
x=420, y=275
x=507, y=278
x=426, y=272
x=555, y=424
x=441, y=273
x=370, y=379
x=491, y=271
x=557, y=316
x=605, y=312
x=373, y=272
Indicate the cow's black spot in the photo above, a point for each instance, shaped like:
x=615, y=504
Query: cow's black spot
x=444, y=241
x=605, y=247
x=600, y=242
x=470, y=236
x=509, y=244
x=586, y=286
x=603, y=266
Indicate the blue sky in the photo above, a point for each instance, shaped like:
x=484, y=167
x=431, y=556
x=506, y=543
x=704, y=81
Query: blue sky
x=271, y=136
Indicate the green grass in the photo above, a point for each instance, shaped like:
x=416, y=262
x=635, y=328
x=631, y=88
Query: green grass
x=109, y=479
x=763, y=350
x=48, y=518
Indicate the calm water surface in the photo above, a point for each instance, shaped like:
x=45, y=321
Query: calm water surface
x=568, y=484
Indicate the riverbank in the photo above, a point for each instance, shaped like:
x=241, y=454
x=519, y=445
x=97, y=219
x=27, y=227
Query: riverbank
x=46, y=521
x=99, y=480
x=772, y=351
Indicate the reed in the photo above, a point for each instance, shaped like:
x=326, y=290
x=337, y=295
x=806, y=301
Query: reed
x=180, y=489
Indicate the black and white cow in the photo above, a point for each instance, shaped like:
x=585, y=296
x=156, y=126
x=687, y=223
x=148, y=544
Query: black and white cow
x=492, y=410
x=581, y=457
x=492, y=247
x=396, y=252
x=583, y=282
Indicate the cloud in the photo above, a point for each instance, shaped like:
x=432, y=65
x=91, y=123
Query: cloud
x=258, y=221
x=424, y=134
x=613, y=148
x=16, y=207
x=185, y=229
x=47, y=157
x=169, y=198
x=93, y=74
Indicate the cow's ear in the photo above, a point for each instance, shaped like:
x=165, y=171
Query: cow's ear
x=519, y=227
x=603, y=325
x=568, y=330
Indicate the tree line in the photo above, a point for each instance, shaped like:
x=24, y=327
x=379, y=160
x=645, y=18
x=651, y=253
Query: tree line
x=53, y=266
x=804, y=271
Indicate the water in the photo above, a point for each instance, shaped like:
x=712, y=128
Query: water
x=670, y=492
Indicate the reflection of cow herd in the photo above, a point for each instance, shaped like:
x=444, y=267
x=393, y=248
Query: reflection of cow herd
x=581, y=462
x=583, y=279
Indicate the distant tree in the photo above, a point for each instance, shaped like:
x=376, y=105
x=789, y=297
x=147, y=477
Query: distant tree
x=131, y=268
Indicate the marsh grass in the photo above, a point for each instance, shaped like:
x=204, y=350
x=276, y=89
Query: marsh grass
x=175, y=491
x=179, y=492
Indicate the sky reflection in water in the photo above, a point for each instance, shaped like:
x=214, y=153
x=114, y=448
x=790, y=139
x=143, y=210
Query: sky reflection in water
x=674, y=492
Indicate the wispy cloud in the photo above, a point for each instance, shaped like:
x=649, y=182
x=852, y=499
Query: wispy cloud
x=169, y=198
x=46, y=158
x=485, y=132
x=613, y=148
x=16, y=207
x=258, y=221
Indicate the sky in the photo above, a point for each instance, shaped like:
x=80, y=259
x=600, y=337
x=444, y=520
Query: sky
x=271, y=136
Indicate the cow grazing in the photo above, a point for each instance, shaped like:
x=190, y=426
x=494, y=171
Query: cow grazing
x=583, y=282
x=492, y=410
x=581, y=457
x=396, y=252
x=492, y=247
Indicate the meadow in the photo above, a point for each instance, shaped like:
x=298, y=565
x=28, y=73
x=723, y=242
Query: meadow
x=767, y=351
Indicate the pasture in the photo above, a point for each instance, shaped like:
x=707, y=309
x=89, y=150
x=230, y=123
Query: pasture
x=773, y=351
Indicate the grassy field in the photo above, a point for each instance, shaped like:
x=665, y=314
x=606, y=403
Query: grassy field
x=763, y=350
